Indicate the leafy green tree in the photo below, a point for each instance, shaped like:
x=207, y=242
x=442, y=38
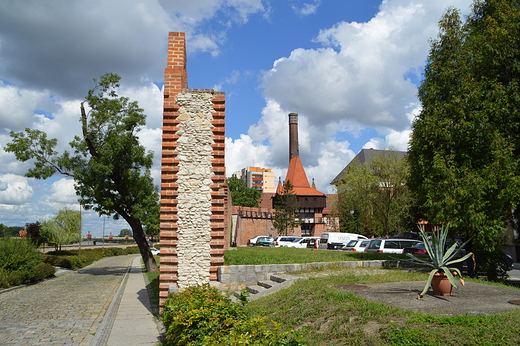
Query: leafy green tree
x=111, y=169
x=465, y=144
x=125, y=232
x=152, y=231
x=241, y=194
x=374, y=198
x=63, y=229
x=3, y=228
x=286, y=210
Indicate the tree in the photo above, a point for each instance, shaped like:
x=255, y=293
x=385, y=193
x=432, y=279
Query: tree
x=111, y=169
x=12, y=231
x=285, y=210
x=34, y=233
x=3, y=228
x=374, y=197
x=125, y=232
x=152, y=231
x=465, y=143
x=63, y=229
x=241, y=194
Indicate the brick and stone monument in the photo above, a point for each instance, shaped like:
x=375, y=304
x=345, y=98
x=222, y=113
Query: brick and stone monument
x=194, y=198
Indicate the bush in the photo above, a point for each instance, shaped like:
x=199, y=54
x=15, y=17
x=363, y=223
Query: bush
x=71, y=260
x=57, y=261
x=203, y=316
x=21, y=263
x=42, y=271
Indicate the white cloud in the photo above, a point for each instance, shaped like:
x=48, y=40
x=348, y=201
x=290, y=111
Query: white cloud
x=63, y=191
x=18, y=106
x=307, y=8
x=243, y=152
x=357, y=79
x=16, y=190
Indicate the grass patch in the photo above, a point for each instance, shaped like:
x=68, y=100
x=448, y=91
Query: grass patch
x=153, y=279
x=326, y=315
x=283, y=255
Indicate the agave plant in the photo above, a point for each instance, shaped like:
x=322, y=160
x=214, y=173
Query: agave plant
x=440, y=259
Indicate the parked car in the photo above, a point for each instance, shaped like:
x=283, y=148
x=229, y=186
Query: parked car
x=417, y=249
x=283, y=241
x=301, y=243
x=420, y=248
x=155, y=252
x=357, y=245
x=264, y=241
x=313, y=244
x=389, y=245
x=337, y=240
x=252, y=241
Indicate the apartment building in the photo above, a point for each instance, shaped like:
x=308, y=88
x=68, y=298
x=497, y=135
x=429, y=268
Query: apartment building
x=262, y=179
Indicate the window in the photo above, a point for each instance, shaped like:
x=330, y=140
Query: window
x=306, y=230
x=374, y=244
x=391, y=244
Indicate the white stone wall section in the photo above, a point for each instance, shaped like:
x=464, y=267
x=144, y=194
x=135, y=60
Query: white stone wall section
x=194, y=192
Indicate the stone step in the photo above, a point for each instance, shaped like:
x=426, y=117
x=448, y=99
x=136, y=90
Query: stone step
x=267, y=287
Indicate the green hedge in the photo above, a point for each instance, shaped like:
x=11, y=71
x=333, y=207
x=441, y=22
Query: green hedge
x=74, y=259
x=202, y=316
x=21, y=263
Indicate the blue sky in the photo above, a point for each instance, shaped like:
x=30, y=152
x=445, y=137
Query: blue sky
x=349, y=68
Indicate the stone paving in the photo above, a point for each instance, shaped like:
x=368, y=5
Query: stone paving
x=66, y=310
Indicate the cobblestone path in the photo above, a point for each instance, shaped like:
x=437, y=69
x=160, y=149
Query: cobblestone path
x=65, y=310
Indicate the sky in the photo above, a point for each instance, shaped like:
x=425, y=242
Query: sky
x=349, y=68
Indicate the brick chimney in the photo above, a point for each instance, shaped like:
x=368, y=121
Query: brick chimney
x=293, y=136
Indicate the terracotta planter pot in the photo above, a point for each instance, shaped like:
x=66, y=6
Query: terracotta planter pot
x=441, y=285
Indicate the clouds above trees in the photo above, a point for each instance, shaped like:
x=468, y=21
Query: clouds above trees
x=354, y=83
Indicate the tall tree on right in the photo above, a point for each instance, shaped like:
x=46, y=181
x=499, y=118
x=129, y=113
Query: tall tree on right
x=465, y=145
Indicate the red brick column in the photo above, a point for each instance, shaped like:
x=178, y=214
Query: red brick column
x=219, y=209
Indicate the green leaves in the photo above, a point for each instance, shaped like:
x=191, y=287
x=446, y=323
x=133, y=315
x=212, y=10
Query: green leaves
x=285, y=210
x=242, y=195
x=33, y=144
x=440, y=259
x=111, y=169
x=465, y=145
x=375, y=199
x=63, y=229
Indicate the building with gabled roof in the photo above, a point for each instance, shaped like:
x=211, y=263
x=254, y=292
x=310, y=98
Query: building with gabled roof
x=311, y=201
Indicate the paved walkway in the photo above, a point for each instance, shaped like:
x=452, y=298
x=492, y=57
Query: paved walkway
x=81, y=308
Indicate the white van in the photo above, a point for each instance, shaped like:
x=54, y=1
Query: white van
x=337, y=240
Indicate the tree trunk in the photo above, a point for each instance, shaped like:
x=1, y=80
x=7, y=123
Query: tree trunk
x=144, y=248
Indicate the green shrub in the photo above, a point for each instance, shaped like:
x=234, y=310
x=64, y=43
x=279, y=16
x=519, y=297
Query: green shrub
x=203, y=316
x=18, y=254
x=253, y=332
x=21, y=263
x=42, y=271
x=57, y=261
